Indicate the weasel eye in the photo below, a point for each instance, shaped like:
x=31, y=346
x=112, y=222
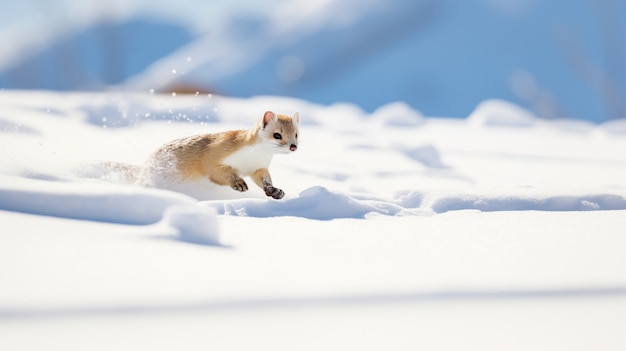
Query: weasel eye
x=296, y=135
x=277, y=136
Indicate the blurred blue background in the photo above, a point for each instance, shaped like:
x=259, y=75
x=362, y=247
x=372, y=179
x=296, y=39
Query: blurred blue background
x=558, y=58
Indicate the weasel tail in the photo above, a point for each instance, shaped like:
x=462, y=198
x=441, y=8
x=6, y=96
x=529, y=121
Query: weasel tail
x=225, y=158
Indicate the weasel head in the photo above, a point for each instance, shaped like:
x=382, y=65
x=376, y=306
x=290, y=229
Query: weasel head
x=279, y=132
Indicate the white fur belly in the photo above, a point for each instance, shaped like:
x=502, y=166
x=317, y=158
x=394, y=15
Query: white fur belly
x=248, y=159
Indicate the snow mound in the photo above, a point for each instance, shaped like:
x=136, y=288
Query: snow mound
x=93, y=202
x=397, y=114
x=313, y=203
x=486, y=203
x=427, y=155
x=194, y=224
x=501, y=113
x=614, y=127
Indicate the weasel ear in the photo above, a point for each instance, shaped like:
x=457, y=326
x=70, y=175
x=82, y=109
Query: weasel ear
x=269, y=117
x=296, y=118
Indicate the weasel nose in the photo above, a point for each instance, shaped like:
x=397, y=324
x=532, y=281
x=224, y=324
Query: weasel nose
x=293, y=147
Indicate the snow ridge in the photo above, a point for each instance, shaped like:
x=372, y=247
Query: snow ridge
x=313, y=203
x=102, y=203
x=323, y=204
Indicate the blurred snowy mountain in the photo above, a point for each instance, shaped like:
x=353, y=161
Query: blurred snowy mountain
x=100, y=55
x=443, y=57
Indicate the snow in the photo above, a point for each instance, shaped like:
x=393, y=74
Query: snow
x=194, y=224
x=398, y=231
x=314, y=203
x=498, y=112
x=85, y=201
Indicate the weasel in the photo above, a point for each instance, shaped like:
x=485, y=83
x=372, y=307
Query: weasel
x=225, y=158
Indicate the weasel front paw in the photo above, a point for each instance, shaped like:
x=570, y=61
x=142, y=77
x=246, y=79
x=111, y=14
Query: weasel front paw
x=274, y=192
x=240, y=185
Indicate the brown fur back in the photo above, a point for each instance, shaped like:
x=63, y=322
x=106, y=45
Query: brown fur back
x=194, y=156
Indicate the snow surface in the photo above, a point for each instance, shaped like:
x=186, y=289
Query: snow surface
x=398, y=231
